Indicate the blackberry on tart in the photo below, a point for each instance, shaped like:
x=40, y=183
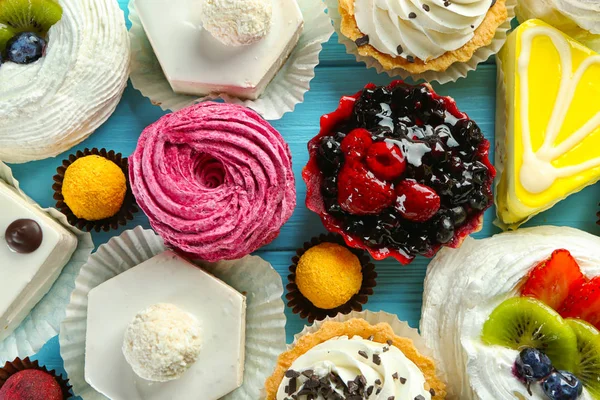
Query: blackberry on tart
x=399, y=171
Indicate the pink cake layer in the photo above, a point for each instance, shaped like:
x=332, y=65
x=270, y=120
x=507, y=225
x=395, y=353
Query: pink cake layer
x=215, y=180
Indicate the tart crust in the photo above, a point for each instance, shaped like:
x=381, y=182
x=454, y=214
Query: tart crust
x=381, y=333
x=484, y=35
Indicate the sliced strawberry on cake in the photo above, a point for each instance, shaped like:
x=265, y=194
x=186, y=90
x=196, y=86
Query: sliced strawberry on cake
x=584, y=303
x=553, y=279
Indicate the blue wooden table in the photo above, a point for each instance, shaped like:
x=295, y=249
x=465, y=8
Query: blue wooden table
x=399, y=288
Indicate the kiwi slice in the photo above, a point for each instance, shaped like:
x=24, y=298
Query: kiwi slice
x=6, y=33
x=30, y=15
x=588, y=347
x=522, y=322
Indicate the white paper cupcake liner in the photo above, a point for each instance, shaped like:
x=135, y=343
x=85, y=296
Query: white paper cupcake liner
x=281, y=95
x=400, y=328
x=452, y=74
x=43, y=322
x=251, y=275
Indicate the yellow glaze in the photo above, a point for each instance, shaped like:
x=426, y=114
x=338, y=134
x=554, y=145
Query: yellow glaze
x=517, y=197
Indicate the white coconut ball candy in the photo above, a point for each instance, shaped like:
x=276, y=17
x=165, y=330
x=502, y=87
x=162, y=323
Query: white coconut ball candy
x=237, y=22
x=162, y=342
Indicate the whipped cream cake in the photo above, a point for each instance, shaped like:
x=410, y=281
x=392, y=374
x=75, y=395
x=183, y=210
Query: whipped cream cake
x=548, y=121
x=33, y=252
x=52, y=104
x=221, y=46
x=165, y=329
x=535, y=289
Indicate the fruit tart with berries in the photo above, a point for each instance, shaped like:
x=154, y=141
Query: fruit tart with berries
x=399, y=171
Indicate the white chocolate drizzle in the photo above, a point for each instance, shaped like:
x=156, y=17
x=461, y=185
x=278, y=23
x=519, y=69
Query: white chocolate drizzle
x=537, y=172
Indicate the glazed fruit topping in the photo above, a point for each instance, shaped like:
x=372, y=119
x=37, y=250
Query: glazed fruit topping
x=386, y=161
x=532, y=365
x=417, y=202
x=552, y=280
x=584, y=303
x=361, y=193
x=562, y=385
x=402, y=170
x=25, y=48
x=559, y=283
x=356, y=144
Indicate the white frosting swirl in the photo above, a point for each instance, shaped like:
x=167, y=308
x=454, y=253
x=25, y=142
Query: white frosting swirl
x=341, y=356
x=424, y=29
x=53, y=104
x=462, y=288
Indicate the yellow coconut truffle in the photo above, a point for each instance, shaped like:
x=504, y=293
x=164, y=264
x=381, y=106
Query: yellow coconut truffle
x=328, y=275
x=94, y=188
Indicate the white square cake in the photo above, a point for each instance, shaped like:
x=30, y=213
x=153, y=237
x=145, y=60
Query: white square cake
x=25, y=277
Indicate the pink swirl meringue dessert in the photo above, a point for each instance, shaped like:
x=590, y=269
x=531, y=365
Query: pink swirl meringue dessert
x=214, y=179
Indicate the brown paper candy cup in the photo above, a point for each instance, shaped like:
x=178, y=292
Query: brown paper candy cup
x=127, y=210
x=302, y=306
x=18, y=365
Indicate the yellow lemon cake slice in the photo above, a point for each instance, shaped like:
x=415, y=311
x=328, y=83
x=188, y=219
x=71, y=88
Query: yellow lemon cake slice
x=548, y=121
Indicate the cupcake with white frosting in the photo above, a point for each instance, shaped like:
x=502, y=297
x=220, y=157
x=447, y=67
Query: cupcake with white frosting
x=350, y=356
x=55, y=100
x=431, y=39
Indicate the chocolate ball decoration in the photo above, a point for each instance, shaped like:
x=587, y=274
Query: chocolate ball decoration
x=24, y=236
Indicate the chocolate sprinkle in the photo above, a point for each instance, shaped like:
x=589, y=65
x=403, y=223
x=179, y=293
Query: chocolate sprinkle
x=432, y=392
x=419, y=397
x=378, y=391
x=293, y=385
x=402, y=380
x=362, y=41
x=291, y=374
x=391, y=398
x=376, y=359
x=399, y=49
x=426, y=7
x=395, y=375
x=389, y=342
x=378, y=381
x=363, y=354
x=308, y=373
x=493, y=3
x=410, y=59
x=412, y=15
x=386, y=349
x=446, y=4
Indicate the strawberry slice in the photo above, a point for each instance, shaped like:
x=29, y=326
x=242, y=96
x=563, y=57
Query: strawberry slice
x=584, y=303
x=552, y=280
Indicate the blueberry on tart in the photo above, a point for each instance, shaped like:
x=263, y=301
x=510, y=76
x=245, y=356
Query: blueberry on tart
x=399, y=171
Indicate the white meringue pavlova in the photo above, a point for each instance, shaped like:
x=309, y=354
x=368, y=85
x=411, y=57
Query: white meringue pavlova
x=462, y=288
x=51, y=105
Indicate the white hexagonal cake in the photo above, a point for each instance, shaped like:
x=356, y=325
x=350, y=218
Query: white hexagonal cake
x=196, y=63
x=166, y=278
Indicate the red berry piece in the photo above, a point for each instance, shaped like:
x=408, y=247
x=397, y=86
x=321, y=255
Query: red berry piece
x=416, y=202
x=553, y=279
x=356, y=143
x=386, y=161
x=31, y=384
x=584, y=303
x=361, y=193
